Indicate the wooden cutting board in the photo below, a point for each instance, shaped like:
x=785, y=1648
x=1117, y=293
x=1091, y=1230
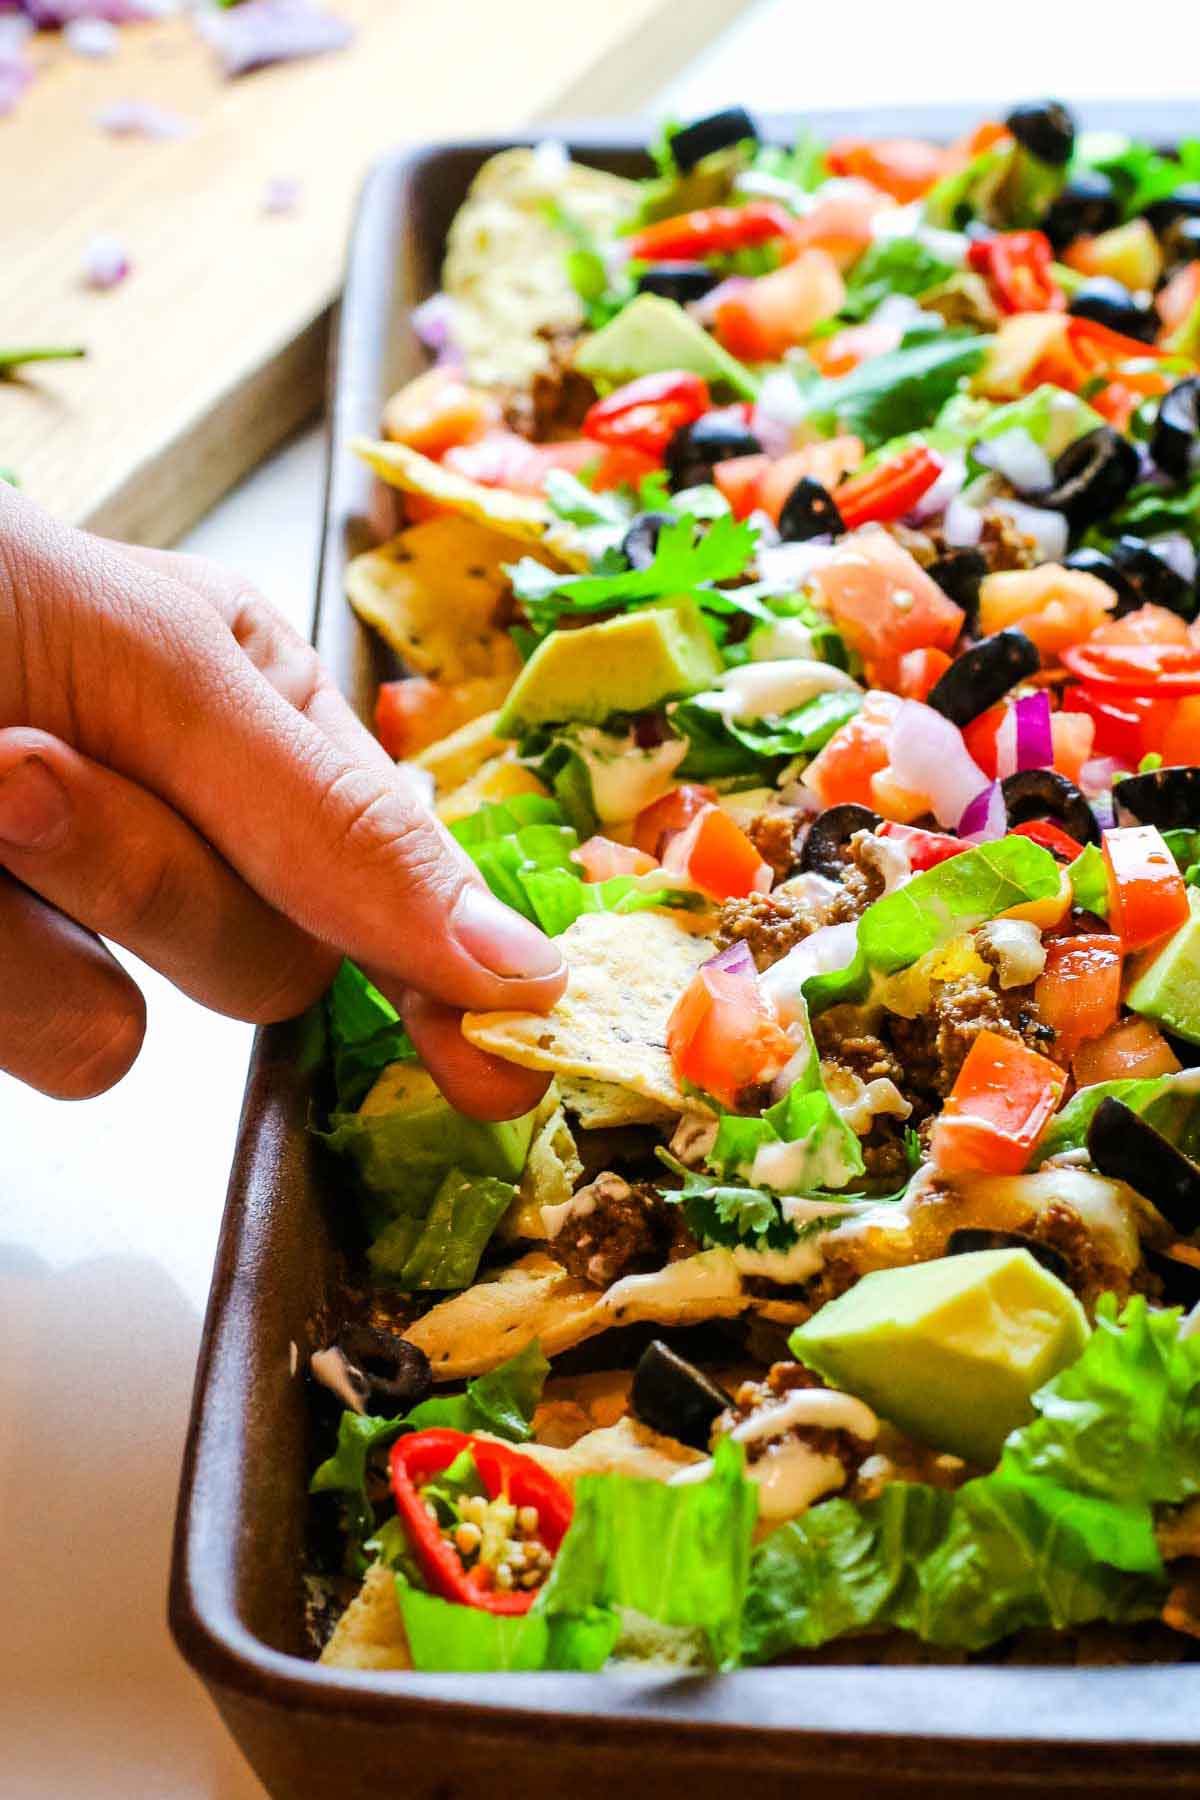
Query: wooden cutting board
x=214, y=347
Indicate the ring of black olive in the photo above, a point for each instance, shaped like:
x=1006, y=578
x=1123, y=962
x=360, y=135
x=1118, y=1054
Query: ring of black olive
x=809, y=511
x=1124, y=1147
x=1092, y=477
x=982, y=675
x=823, y=851
x=674, y=1397
x=1045, y=794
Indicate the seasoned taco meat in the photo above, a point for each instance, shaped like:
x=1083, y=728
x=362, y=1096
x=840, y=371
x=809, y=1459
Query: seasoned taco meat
x=617, y=1228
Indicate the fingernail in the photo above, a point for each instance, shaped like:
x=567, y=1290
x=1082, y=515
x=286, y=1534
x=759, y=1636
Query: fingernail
x=33, y=805
x=501, y=939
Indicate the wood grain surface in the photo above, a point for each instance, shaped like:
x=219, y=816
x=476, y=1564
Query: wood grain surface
x=214, y=347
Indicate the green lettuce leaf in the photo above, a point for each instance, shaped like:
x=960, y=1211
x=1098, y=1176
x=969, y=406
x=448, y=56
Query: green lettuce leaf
x=720, y=746
x=1060, y=1534
x=1139, y=174
x=897, y=265
x=468, y=1640
x=901, y=927
x=442, y=1250
x=898, y=392
x=1167, y=1102
x=365, y=1034
x=1150, y=511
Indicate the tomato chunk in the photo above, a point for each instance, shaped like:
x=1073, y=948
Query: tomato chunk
x=858, y=750
x=827, y=462
x=1079, y=990
x=600, y=857
x=1133, y=1049
x=723, y=1036
x=924, y=849
x=656, y=823
x=775, y=312
x=997, y=1108
x=1146, y=892
x=884, y=603
x=715, y=854
x=903, y=167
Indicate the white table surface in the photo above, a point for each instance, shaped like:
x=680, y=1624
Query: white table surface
x=109, y=1209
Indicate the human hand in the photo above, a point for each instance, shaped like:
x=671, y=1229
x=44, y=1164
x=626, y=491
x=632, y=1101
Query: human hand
x=178, y=774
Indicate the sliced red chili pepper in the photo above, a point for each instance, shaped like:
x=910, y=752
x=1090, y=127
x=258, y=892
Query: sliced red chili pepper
x=1051, y=837
x=1149, y=669
x=712, y=231
x=645, y=414
x=1019, y=269
x=417, y=1459
x=889, y=490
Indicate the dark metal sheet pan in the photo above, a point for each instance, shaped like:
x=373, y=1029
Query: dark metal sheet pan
x=236, y=1601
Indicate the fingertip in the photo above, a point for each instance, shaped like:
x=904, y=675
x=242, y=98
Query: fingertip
x=482, y=1086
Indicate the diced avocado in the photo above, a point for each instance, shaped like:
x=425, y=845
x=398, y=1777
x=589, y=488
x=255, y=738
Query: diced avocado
x=627, y=664
x=653, y=334
x=407, y=1136
x=951, y=1351
x=1167, y=988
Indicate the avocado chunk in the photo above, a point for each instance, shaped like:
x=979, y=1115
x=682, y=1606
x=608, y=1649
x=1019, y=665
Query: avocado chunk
x=951, y=1351
x=653, y=334
x=623, y=665
x=407, y=1135
x=1167, y=988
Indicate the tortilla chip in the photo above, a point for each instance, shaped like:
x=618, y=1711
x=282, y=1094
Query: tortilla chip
x=370, y=1633
x=438, y=594
x=598, y=1105
x=625, y=973
x=454, y=759
x=510, y=519
x=536, y=1298
x=626, y=1448
x=499, y=779
x=552, y=1167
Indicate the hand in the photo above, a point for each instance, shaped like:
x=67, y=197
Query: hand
x=178, y=774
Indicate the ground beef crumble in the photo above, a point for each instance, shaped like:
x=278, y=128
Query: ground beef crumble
x=783, y=1378
x=774, y=923
x=933, y=1047
x=773, y=836
x=557, y=399
x=620, y=1228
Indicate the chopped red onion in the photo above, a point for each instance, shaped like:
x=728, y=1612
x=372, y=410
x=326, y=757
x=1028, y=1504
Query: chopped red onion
x=1179, y=552
x=1024, y=740
x=1097, y=776
x=736, y=960
x=105, y=262
x=899, y=311
x=1015, y=456
x=90, y=37
x=1047, y=529
x=962, y=525
x=789, y=566
x=282, y=194
x=141, y=118
x=985, y=818
x=433, y=322
x=929, y=757
x=261, y=32
x=946, y=488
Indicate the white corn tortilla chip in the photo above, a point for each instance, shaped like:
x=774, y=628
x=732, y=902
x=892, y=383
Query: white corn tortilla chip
x=522, y=519
x=535, y=1297
x=370, y=1633
x=626, y=1448
x=625, y=973
x=598, y=1105
x=455, y=759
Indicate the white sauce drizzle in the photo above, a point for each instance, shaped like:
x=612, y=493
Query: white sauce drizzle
x=768, y=689
x=823, y=1407
x=625, y=778
x=1017, y=947
x=791, y=1478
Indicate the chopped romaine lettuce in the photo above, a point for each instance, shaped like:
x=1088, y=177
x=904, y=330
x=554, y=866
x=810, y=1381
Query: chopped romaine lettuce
x=443, y=1249
x=1169, y=1103
x=895, y=265
x=897, y=392
x=365, y=1034
x=720, y=746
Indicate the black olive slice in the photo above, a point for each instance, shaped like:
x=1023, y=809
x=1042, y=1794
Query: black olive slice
x=1168, y=798
x=1092, y=476
x=983, y=675
x=715, y=437
x=681, y=281
x=824, y=849
x=395, y=1374
x=1045, y=128
x=1087, y=204
x=1110, y=303
x=1184, y=203
x=676, y=1398
x=1180, y=1279
x=1094, y=562
x=1175, y=440
x=641, y=540
x=1152, y=578
x=969, y=1238
x=717, y=131
x=959, y=573
x=1045, y=794
x=1123, y=1147
x=809, y=511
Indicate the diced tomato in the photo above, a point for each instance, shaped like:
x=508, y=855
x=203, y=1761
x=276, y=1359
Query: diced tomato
x=739, y=480
x=890, y=489
x=1145, y=625
x=600, y=858
x=645, y=414
x=825, y=462
x=844, y=350
x=924, y=849
x=1078, y=992
x=712, y=231
x=715, y=853
x=1119, y=670
x=997, y=1109
x=1146, y=893
x=921, y=670
x=1133, y=1049
x=1181, y=737
x=980, y=738
x=1056, y=607
x=861, y=747
x=656, y=823
x=503, y=459
x=1072, y=735
x=723, y=1036
x=1118, y=721
x=1177, y=300
x=861, y=587
x=1051, y=837
x=414, y=713
x=771, y=313
x=437, y=411
x=905, y=168
x=1019, y=266
x=839, y=223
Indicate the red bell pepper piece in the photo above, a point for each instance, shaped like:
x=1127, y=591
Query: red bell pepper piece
x=889, y=490
x=712, y=231
x=997, y=1108
x=924, y=849
x=1019, y=268
x=1139, y=669
x=645, y=414
x=1147, y=897
x=1050, y=837
x=416, y=1460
